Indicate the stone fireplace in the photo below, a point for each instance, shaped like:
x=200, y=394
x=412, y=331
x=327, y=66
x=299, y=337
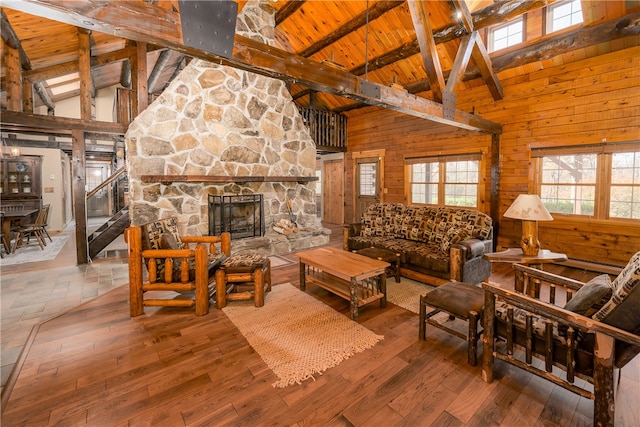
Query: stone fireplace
x=241, y=215
x=217, y=121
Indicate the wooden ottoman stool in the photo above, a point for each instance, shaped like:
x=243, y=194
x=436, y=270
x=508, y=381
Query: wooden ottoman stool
x=243, y=277
x=459, y=300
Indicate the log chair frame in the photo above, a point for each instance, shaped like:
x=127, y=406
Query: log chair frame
x=203, y=247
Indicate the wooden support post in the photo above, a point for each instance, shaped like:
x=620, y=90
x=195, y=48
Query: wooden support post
x=487, y=336
x=132, y=236
x=79, y=200
x=202, y=281
x=603, y=384
x=13, y=77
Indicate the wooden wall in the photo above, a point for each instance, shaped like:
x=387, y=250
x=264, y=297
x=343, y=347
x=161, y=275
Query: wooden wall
x=561, y=101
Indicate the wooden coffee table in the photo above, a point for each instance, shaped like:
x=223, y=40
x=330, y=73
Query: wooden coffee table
x=356, y=278
x=386, y=255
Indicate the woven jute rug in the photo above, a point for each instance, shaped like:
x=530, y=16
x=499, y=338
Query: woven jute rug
x=297, y=335
x=406, y=294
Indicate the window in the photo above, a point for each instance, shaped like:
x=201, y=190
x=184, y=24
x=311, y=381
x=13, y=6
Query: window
x=625, y=185
x=367, y=179
x=506, y=35
x=600, y=181
x=563, y=14
x=445, y=180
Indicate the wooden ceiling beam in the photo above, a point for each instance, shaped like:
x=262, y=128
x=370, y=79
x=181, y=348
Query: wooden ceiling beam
x=484, y=18
x=375, y=11
x=428, y=51
x=69, y=67
x=288, y=9
x=479, y=52
x=147, y=23
x=11, y=39
x=460, y=63
x=15, y=121
x=485, y=65
x=544, y=48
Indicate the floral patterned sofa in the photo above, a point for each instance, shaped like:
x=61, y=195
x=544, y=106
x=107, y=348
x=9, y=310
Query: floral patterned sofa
x=436, y=244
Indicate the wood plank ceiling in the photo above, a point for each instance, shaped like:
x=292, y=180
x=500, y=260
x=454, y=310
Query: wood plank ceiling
x=414, y=46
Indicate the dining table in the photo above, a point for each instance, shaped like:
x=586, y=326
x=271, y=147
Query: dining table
x=9, y=218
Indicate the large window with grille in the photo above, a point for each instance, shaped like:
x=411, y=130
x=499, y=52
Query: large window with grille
x=597, y=181
x=444, y=180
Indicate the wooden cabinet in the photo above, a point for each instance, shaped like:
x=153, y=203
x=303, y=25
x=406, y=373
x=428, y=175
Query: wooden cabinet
x=21, y=182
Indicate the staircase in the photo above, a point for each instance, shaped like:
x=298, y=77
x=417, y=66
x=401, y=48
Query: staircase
x=107, y=232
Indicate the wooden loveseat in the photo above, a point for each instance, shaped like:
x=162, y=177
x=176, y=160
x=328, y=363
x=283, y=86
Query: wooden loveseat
x=436, y=244
x=595, y=332
x=180, y=269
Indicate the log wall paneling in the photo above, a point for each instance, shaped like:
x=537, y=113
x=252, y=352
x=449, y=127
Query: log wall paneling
x=565, y=100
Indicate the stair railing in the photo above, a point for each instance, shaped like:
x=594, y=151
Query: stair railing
x=106, y=182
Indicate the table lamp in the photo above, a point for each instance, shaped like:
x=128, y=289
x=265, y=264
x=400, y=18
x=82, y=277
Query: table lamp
x=529, y=208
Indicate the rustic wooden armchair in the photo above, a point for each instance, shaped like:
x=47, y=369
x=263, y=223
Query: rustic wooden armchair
x=597, y=331
x=181, y=264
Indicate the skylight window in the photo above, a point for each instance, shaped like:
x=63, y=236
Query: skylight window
x=564, y=14
x=506, y=35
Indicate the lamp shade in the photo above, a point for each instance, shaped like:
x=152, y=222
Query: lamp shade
x=528, y=207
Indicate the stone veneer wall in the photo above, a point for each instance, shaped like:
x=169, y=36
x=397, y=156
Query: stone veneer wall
x=217, y=120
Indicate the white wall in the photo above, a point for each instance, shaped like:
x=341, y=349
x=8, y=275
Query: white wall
x=103, y=105
x=52, y=186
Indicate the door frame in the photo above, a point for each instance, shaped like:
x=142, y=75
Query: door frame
x=354, y=190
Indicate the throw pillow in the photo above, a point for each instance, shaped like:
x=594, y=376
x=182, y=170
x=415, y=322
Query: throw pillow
x=591, y=297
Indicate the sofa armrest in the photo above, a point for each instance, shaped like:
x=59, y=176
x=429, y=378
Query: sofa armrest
x=471, y=248
x=350, y=230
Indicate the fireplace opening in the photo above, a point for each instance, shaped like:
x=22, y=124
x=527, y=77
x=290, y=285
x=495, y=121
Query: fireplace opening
x=241, y=215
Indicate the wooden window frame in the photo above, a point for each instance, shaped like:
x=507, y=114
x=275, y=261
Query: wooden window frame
x=443, y=158
x=604, y=152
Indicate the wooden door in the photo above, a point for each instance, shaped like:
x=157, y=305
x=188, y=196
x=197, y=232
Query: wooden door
x=333, y=191
x=368, y=183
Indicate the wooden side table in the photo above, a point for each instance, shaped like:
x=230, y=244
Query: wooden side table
x=515, y=256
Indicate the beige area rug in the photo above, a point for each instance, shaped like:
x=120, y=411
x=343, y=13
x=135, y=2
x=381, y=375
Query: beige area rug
x=297, y=335
x=33, y=253
x=406, y=294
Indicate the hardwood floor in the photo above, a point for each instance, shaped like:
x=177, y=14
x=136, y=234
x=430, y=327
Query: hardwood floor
x=96, y=366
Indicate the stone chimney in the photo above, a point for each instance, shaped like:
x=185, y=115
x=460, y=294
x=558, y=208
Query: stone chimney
x=220, y=121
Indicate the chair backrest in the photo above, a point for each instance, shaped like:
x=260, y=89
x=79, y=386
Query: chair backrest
x=40, y=217
x=46, y=215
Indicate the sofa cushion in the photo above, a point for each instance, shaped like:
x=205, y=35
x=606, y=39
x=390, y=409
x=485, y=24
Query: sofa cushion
x=591, y=297
x=381, y=219
x=168, y=241
x=429, y=256
x=452, y=237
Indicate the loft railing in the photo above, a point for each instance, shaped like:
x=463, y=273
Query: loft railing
x=328, y=129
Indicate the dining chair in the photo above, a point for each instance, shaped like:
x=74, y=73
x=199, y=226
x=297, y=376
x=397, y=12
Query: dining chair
x=34, y=229
x=45, y=222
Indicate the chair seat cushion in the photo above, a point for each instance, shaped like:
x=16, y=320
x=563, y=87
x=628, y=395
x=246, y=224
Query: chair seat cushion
x=243, y=263
x=456, y=298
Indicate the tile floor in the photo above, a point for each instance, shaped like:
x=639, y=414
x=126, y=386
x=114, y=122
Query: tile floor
x=35, y=292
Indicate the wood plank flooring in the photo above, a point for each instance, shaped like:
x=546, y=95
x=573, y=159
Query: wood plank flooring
x=96, y=366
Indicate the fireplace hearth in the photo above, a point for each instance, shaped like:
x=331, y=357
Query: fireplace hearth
x=240, y=215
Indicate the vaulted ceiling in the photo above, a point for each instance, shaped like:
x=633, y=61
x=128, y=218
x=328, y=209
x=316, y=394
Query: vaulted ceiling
x=427, y=48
